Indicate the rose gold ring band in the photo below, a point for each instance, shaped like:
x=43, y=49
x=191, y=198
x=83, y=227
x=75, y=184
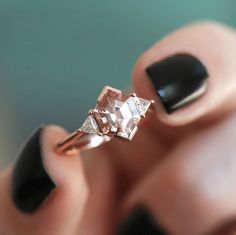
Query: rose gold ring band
x=80, y=141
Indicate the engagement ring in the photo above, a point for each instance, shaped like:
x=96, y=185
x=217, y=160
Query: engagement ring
x=115, y=115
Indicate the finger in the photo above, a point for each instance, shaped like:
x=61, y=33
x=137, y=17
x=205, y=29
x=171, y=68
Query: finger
x=193, y=191
x=190, y=74
x=43, y=193
x=104, y=192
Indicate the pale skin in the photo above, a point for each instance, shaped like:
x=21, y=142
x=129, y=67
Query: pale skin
x=181, y=166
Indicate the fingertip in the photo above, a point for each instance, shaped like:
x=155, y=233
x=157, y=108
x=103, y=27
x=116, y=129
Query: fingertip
x=41, y=179
x=189, y=74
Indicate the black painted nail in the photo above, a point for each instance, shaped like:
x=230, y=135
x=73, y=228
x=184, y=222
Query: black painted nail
x=30, y=183
x=178, y=80
x=140, y=222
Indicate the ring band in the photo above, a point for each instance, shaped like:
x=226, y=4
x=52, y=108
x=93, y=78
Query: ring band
x=115, y=115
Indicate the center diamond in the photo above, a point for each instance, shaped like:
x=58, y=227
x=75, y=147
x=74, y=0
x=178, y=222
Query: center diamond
x=119, y=114
x=116, y=114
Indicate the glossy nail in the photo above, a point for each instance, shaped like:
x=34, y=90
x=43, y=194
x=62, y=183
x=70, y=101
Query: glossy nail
x=178, y=80
x=30, y=182
x=140, y=222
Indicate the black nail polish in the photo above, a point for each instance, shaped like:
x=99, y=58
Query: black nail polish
x=178, y=80
x=30, y=182
x=140, y=222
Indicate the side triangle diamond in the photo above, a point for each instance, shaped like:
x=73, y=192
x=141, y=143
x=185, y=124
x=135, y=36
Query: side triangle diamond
x=90, y=126
x=142, y=105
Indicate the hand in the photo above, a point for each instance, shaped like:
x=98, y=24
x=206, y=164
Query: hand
x=176, y=177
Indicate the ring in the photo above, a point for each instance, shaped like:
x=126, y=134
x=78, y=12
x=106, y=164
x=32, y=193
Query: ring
x=115, y=115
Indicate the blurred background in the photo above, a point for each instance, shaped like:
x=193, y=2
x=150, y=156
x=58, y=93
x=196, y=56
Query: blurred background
x=56, y=56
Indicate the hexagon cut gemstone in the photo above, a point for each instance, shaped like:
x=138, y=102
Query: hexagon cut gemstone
x=118, y=113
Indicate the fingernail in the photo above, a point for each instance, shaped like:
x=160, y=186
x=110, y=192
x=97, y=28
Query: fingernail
x=30, y=182
x=178, y=80
x=140, y=222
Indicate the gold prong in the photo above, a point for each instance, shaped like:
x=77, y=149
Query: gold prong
x=133, y=95
x=152, y=101
x=91, y=111
x=104, y=111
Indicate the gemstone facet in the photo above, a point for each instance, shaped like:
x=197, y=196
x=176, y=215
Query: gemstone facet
x=90, y=125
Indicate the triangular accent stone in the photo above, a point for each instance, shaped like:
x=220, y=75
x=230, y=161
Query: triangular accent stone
x=141, y=104
x=90, y=126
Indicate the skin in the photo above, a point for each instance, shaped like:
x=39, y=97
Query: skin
x=188, y=159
